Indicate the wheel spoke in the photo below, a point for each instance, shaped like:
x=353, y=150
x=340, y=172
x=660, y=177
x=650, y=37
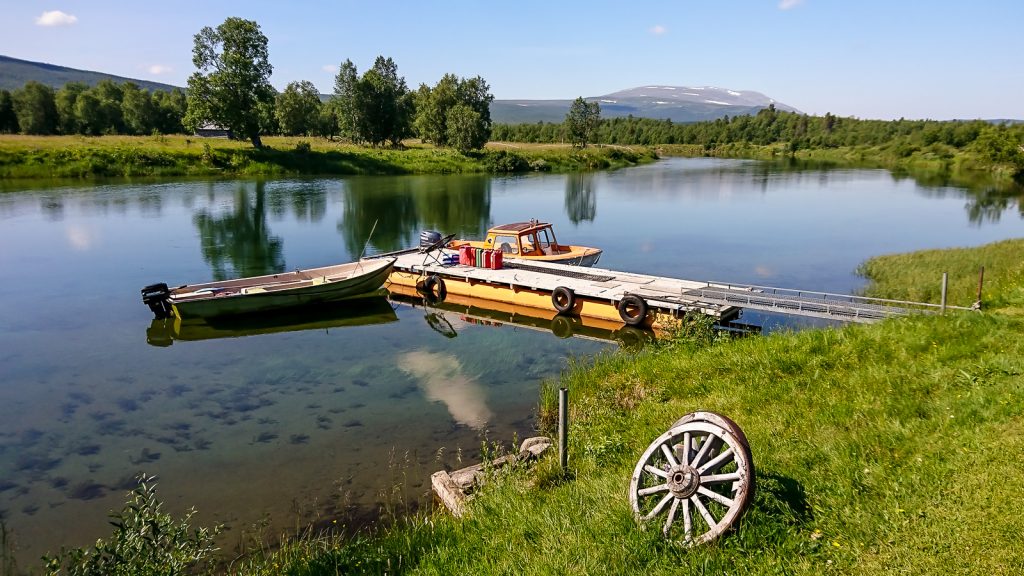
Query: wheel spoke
x=705, y=449
x=671, y=516
x=703, y=512
x=661, y=506
x=720, y=478
x=716, y=462
x=652, y=490
x=656, y=471
x=686, y=448
x=668, y=455
x=727, y=502
x=687, y=521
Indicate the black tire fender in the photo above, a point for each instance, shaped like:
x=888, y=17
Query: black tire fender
x=563, y=299
x=434, y=289
x=632, y=310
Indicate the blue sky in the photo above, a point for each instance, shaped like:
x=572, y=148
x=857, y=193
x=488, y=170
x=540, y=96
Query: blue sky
x=865, y=58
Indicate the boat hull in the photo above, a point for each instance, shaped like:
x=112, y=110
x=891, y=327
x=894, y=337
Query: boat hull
x=275, y=292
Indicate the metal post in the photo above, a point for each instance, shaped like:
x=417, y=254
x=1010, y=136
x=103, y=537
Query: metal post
x=563, y=428
x=981, y=279
x=945, y=281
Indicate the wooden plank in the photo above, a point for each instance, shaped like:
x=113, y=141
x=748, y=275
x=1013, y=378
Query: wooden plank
x=449, y=494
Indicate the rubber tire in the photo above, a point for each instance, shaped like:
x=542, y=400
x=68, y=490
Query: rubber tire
x=636, y=302
x=432, y=283
x=562, y=293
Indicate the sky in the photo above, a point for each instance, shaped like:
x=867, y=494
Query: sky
x=883, y=59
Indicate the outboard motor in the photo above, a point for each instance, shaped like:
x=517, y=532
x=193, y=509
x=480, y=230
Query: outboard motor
x=155, y=296
x=428, y=238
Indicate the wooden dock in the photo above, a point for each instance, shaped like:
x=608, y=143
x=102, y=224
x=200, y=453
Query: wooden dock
x=623, y=297
x=593, y=292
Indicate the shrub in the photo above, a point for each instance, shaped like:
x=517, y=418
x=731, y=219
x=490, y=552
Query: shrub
x=146, y=542
x=504, y=161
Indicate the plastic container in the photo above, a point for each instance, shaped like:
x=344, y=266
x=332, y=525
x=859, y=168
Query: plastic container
x=466, y=255
x=488, y=255
x=498, y=260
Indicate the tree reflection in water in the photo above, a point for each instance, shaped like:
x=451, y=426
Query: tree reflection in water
x=580, y=198
x=238, y=243
x=401, y=207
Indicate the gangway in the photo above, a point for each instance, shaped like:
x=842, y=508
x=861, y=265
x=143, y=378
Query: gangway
x=844, y=307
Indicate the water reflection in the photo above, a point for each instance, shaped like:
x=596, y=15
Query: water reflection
x=443, y=379
x=307, y=200
x=400, y=207
x=580, y=198
x=366, y=310
x=238, y=243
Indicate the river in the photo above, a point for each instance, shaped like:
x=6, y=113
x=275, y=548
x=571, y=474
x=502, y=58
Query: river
x=342, y=415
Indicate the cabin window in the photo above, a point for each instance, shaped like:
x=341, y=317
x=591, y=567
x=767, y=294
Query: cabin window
x=546, y=239
x=507, y=244
x=529, y=242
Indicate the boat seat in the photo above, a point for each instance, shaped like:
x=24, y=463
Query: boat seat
x=434, y=253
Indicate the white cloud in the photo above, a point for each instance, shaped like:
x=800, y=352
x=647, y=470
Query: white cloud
x=658, y=30
x=56, y=18
x=158, y=69
x=332, y=68
x=789, y=4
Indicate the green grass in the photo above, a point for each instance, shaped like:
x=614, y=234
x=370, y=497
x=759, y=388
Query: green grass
x=49, y=157
x=918, y=276
x=885, y=449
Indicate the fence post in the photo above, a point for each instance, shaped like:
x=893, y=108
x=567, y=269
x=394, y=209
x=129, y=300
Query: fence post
x=563, y=428
x=981, y=278
x=945, y=282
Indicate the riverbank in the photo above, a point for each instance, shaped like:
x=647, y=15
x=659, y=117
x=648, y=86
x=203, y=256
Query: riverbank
x=47, y=157
x=878, y=449
x=936, y=164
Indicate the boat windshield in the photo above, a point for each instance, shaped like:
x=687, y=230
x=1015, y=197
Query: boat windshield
x=546, y=238
x=508, y=244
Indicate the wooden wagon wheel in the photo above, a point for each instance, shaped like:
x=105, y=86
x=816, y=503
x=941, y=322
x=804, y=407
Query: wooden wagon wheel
x=714, y=418
x=699, y=475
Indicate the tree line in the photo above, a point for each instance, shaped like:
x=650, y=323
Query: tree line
x=231, y=89
x=1000, y=143
x=76, y=108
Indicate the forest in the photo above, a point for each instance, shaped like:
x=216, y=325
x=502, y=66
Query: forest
x=998, y=143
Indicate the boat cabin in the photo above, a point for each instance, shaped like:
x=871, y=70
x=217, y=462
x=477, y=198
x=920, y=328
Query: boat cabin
x=531, y=238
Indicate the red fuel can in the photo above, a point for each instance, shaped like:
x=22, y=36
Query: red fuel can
x=497, y=261
x=466, y=255
x=488, y=256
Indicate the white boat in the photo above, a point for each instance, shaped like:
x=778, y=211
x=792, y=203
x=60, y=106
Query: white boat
x=271, y=292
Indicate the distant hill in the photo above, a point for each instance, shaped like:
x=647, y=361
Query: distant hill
x=14, y=73
x=676, y=103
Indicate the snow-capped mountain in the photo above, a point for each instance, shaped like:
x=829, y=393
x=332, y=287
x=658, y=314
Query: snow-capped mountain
x=676, y=103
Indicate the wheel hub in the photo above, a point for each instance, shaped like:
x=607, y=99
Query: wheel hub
x=683, y=481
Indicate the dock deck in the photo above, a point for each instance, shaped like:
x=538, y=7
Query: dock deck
x=599, y=292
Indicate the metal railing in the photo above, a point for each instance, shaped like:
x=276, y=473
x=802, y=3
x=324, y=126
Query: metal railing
x=807, y=302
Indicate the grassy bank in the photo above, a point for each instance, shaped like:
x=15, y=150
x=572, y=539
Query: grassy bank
x=162, y=156
x=937, y=163
x=891, y=448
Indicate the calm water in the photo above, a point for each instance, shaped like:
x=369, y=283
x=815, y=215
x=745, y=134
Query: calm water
x=355, y=411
